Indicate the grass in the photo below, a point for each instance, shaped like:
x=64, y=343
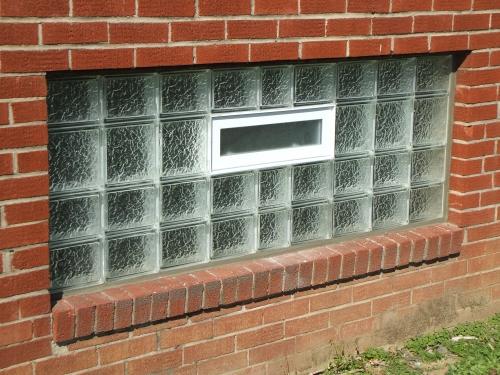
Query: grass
x=467, y=349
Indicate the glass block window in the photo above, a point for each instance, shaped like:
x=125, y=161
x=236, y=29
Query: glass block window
x=133, y=189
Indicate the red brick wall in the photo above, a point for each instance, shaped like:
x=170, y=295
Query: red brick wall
x=286, y=332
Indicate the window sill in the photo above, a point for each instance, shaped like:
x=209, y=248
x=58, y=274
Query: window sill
x=121, y=308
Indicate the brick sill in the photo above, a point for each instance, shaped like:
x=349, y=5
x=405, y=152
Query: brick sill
x=121, y=308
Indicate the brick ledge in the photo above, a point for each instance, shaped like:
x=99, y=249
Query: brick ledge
x=124, y=307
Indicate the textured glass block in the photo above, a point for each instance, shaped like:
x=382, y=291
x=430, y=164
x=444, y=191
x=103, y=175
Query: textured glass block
x=74, y=160
x=233, y=193
x=356, y=80
x=274, y=187
x=183, y=245
x=235, y=89
x=393, y=124
x=273, y=229
x=75, y=216
x=131, y=208
x=312, y=181
x=390, y=209
x=433, y=73
x=130, y=152
x=130, y=96
x=354, y=129
x=72, y=101
x=185, y=92
x=76, y=265
x=430, y=121
x=353, y=176
x=184, y=201
x=396, y=76
x=233, y=237
x=276, y=86
x=352, y=216
x=311, y=223
x=184, y=147
x=131, y=254
x=314, y=83
x=427, y=166
x=426, y=203
x=391, y=170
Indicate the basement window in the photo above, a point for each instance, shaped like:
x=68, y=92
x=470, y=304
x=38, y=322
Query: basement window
x=168, y=169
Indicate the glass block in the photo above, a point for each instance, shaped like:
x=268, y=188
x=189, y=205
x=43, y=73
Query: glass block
x=314, y=83
x=430, y=121
x=426, y=203
x=233, y=237
x=234, y=89
x=74, y=161
x=396, y=76
x=74, y=216
x=312, y=181
x=311, y=223
x=354, y=129
x=76, y=265
x=352, y=216
x=184, y=201
x=130, y=153
x=391, y=170
x=131, y=208
x=390, y=209
x=274, y=187
x=427, y=166
x=353, y=176
x=183, y=245
x=130, y=96
x=356, y=80
x=276, y=86
x=184, y=147
x=185, y=92
x=433, y=73
x=233, y=193
x=131, y=254
x=393, y=124
x=273, y=229
x=73, y=100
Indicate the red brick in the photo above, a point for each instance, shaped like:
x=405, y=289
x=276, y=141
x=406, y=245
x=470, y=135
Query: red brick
x=322, y=6
x=211, y=349
x=35, y=110
x=466, y=184
x=427, y=293
x=9, y=311
x=369, y=47
x=449, y=271
x=476, y=113
x=222, y=53
x=138, y=33
x=34, y=8
x=490, y=197
x=34, y=61
x=246, y=29
x=485, y=4
x=370, y=290
x=30, y=258
x=348, y=260
x=276, y=7
x=15, y=333
x=68, y=363
x=182, y=335
x=194, y=291
x=475, y=217
x=223, y=364
x=432, y=23
x=463, y=201
x=127, y=349
x=392, y=25
x=123, y=307
x=416, y=44
x=142, y=300
x=223, y=7
x=25, y=352
x=229, y=284
x=104, y=312
x=452, y=4
x=90, y=8
x=449, y=43
x=433, y=239
x=348, y=26
x=368, y=6
x=301, y=28
x=25, y=187
x=4, y=113
x=356, y=329
x=476, y=60
x=85, y=315
x=164, y=56
x=6, y=166
x=103, y=58
x=260, y=336
x=477, y=77
x=468, y=132
x=306, y=324
x=23, y=235
x=22, y=87
x=492, y=163
x=466, y=167
x=18, y=33
x=472, y=150
x=485, y=40
x=483, y=232
x=271, y=351
x=391, y=302
x=74, y=33
x=321, y=50
x=166, y=8
x=495, y=20
x=474, y=95
x=411, y=6
x=465, y=22
x=285, y=310
x=274, y=51
x=316, y=339
x=42, y=327
x=32, y=161
x=97, y=341
x=200, y=30
x=238, y=322
x=493, y=130
x=155, y=363
x=350, y=313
